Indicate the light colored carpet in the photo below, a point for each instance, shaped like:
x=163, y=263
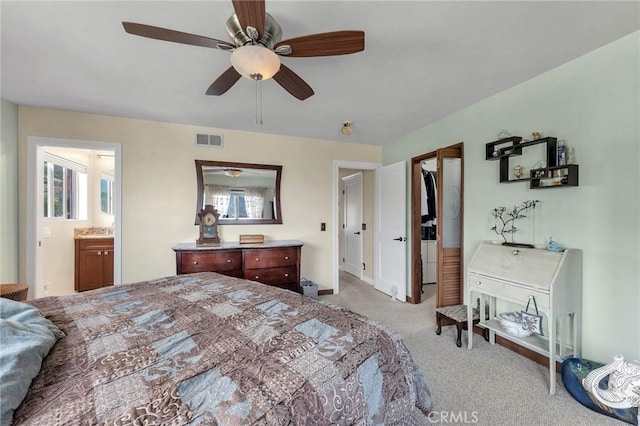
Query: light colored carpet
x=487, y=385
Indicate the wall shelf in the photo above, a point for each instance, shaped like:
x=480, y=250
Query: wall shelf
x=512, y=146
x=554, y=177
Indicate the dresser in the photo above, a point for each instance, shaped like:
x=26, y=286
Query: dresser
x=275, y=263
x=498, y=274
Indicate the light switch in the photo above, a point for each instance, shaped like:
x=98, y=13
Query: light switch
x=46, y=232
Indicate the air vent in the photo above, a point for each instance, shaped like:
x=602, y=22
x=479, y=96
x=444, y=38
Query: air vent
x=210, y=140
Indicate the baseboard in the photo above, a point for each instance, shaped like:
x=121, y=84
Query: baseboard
x=325, y=292
x=521, y=350
x=367, y=280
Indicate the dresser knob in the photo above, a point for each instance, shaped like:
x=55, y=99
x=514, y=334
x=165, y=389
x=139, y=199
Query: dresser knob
x=479, y=282
x=286, y=275
x=257, y=277
x=195, y=262
x=228, y=260
x=257, y=259
x=515, y=252
x=106, y=253
x=286, y=258
x=99, y=253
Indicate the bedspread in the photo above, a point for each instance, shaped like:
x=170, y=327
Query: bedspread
x=210, y=349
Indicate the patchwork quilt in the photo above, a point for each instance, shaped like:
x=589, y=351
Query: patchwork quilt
x=210, y=349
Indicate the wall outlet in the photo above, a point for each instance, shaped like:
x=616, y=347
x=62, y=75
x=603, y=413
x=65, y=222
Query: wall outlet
x=46, y=232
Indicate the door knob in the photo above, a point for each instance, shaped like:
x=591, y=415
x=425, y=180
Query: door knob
x=357, y=233
x=400, y=239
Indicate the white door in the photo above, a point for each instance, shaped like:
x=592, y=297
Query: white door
x=390, y=230
x=352, y=234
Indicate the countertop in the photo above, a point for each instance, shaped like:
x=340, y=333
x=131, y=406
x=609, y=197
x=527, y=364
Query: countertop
x=93, y=232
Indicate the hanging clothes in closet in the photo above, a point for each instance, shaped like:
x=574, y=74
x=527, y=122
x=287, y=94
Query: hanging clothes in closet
x=428, y=209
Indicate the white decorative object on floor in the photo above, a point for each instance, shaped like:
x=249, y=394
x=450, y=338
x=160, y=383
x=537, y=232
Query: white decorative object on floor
x=498, y=272
x=623, y=389
x=394, y=292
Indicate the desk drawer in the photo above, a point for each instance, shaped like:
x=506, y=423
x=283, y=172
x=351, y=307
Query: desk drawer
x=214, y=262
x=271, y=258
x=508, y=291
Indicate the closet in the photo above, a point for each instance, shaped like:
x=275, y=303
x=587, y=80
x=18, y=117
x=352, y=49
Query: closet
x=428, y=214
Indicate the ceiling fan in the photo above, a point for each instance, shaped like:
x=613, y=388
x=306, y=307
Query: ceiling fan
x=256, y=47
x=231, y=172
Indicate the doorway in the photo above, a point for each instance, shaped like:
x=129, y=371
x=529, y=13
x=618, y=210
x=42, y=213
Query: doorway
x=352, y=224
x=339, y=167
x=446, y=235
x=36, y=256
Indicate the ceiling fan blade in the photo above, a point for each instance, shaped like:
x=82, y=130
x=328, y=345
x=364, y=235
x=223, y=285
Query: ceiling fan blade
x=224, y=82
x=250, y=13
x=292, y=83
x=166, y=34
x=325, y=44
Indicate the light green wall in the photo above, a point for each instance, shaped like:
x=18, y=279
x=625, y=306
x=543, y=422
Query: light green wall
x=9, y=191
x=594, y=103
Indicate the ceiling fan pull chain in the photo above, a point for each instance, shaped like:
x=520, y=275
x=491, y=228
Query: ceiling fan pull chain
x=258, y=102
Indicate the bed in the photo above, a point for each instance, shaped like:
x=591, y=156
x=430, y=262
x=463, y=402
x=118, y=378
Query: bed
x=210, y=349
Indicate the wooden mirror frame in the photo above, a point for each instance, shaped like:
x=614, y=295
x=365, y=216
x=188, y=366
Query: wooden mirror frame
x=232, y=165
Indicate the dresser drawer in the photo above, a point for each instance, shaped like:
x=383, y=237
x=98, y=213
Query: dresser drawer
x=508, y=291
x=272, y=258
x=281, y=275
x=223, y=262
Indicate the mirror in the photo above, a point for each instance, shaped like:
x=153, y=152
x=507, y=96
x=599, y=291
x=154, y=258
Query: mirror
x=243, y=193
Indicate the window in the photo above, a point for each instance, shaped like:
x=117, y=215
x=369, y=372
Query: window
x=106, y=193
x=65, y=188
x=237, y=208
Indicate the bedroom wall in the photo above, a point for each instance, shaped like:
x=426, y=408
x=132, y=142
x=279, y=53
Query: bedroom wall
x=9, y=191
x=593, y=102
x=159, y=185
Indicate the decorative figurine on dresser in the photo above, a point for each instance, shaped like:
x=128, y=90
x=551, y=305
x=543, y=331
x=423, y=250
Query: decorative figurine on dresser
x=517, y=275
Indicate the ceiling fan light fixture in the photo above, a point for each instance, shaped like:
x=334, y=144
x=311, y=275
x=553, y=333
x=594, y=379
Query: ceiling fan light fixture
x=346, y=128
x=255, y=62
x=234, y=173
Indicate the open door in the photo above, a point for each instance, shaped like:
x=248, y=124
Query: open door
x=449, y=225
x=353, y=224
x=390, y=230
x=449, y=229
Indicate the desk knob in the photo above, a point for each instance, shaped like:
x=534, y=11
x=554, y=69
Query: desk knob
x=195, y=262
x=479, y=282
x=286, y=258
x=228, y=260
x=515, y=252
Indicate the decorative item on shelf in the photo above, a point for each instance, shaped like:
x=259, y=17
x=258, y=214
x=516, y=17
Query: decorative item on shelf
x=511, y=323
x=518, y=171
x=562, y=152
x=571, y=157
x=536, y=135
x=505, y=220
x=208, y=227
x=532, y=322
x=553, y=246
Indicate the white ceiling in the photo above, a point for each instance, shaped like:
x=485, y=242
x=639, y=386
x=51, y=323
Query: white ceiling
x=423, y=60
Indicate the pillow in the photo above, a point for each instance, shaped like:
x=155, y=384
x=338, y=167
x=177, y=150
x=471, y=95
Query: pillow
x=26, y=338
